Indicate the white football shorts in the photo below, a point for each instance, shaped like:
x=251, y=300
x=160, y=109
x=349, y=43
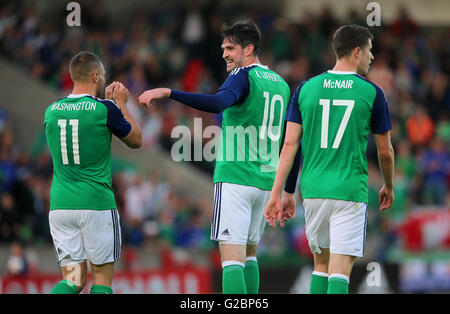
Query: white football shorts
x=80, y=235
x=238, y=213
x=336, y=224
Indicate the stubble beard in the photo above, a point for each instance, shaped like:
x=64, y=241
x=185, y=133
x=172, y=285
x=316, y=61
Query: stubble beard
x=237, y=64
x=100, y=89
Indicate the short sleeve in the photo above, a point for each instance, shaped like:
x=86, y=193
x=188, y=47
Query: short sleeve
x=380, y=121
x=237, y=83
x=116, y=122
x=293, y=113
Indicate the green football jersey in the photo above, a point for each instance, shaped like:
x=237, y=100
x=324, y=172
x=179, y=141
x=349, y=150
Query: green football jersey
x=252, y=128
x=78, y=129
x=337, y=111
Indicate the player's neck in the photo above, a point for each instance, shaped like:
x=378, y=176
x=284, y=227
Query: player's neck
x=250, y=61
x=343, y=65
x=79, y=88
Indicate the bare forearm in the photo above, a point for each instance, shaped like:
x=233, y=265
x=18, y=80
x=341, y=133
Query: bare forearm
x=132, y=121
x=134, y=139
x=287, y=157
x=386, y=162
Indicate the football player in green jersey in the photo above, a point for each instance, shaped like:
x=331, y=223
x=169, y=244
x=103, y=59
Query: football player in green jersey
x=84, y=222
x=332, y=114
x=253, y=100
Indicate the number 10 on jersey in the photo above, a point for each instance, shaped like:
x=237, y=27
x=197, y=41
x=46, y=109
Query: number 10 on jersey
x=264, y=127
x=75, y=144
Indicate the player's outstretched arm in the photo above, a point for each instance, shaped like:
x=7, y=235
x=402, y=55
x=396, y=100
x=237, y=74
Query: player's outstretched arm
x=386, y=161
x=274, y=210
x=210, y=103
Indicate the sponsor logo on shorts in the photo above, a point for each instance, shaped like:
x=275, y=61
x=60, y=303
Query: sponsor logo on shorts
x=225, y=232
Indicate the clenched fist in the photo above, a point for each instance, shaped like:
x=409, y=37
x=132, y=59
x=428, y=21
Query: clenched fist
x=120, y=94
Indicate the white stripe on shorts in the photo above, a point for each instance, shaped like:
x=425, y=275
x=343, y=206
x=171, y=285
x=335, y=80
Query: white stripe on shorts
x=116, y=230
x=217, y=208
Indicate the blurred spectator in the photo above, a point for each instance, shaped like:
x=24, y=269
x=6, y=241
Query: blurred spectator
x=9, y=218
x=152, y=128
x=134, y=210
x=280, y=43
x=193, y=30
x=3, y=120
x=381, y=74
x=420, y=128
x=17, y=263
x=435, y=168
x=438, y=98
x=156, y=201
x=404, y=81
x=404, y=25
x=405, y=161
x=7, y=153
x=443, y=127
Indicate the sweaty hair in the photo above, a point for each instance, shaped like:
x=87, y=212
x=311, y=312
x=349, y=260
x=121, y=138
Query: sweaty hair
x=348, y=37
x=243, y=33
x=83, y=64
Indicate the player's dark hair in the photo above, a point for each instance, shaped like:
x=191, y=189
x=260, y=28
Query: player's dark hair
x=83, y=64
x=348, y=37
x=243, y=33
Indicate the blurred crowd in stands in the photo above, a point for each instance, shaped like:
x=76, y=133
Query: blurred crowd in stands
x=178, y=45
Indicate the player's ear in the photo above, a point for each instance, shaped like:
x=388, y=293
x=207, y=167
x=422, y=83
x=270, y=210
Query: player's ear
x=356, y=52
x=249, y=50
x=95, y=77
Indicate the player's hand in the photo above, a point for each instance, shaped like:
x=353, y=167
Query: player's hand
x=386, y=198
x=273, y=210
x=152, y=94
x=110, y=89
x=120, y=94
x=288, y=211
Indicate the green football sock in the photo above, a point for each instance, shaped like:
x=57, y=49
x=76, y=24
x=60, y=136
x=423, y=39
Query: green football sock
x=338, y=284
x=251, y=273
x=319, y=283
x=98, y=289
x=64, y=287
x=233, y=281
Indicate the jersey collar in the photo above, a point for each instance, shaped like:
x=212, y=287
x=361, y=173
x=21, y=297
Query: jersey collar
x=260, y=65
x=340, y=72
x=78, y=95
x=256, y=64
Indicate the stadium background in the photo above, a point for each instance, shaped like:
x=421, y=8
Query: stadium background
x=166, y=207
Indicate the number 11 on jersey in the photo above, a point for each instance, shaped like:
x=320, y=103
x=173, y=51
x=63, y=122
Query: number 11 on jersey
x=75, y=143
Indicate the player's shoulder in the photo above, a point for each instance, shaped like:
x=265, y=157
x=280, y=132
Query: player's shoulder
x=264, y=72
x=311, y=81
x=314, y=79
x=242, y=70
x=61, y=99
x=109, y=103
x=281, y=79
x=377, y=88
x=54, y=104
